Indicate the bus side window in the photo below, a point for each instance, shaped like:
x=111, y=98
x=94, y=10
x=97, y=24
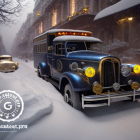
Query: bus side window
x=42, y=47
x=58, y=49
x=34, y=48
x=45, y=47
x=37, y=48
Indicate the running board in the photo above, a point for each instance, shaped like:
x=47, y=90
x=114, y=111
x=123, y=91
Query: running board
x=53, y=82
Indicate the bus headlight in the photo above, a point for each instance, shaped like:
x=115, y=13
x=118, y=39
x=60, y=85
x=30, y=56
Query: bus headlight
x=136, y=69
x=130, y=82
x=135, y=85
x=126, y=70
x=74, y=66
x=97, y=88
x=116, y=86
x=89, y=71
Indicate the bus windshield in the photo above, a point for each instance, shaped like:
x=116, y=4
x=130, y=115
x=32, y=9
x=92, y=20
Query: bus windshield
x=76, y=46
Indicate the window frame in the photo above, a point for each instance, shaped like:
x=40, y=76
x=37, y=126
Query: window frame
x=61, y=49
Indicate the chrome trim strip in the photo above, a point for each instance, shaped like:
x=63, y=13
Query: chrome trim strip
x=112, y=86
x=113, y=59
x=81, y=60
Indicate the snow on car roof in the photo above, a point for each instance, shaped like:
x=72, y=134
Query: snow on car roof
x=77, y=38
x=120, y=6
x=62, y=30
x=5, y=55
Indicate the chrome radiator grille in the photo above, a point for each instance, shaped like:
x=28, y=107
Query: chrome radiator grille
x=6, y=66
x=110, y=72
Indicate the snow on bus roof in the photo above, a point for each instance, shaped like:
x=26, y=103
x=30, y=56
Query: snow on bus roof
x=120, y=6
x=77, y=38
x=62, y=30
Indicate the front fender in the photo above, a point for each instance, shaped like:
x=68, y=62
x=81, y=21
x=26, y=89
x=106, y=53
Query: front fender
x=43, y=68
x=78, y=82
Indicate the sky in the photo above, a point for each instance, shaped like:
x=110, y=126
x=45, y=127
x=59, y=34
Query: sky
x=9, y=32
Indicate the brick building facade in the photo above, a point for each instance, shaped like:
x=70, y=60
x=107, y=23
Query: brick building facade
x=116, y=31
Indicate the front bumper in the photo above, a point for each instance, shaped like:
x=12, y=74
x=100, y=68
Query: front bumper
x=7, y=70
x=109, y=97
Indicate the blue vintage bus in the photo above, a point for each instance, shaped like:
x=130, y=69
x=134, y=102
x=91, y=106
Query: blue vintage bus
x=74, y=62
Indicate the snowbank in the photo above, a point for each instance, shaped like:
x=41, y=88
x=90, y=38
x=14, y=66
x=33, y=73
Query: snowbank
x=120, y=6
x=64, y=122
x=36, y=106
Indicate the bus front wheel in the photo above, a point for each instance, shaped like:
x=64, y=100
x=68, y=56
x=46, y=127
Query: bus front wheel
x=72, y=98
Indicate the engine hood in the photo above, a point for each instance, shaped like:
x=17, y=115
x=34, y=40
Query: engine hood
x=87, y=55
x=7, y=61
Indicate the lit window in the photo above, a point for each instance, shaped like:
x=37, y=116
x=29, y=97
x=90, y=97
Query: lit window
x=41, y=28
x=130, y=18
x=72, y=7
x=54, y=18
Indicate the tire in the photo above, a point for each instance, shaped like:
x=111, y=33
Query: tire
x=38, y=73
x=72, y=98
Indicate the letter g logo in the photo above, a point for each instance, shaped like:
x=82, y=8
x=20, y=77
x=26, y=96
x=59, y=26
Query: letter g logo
x=8, y=107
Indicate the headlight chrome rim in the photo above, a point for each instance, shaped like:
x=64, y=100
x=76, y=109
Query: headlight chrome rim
x=126, y=70
x=74, y=66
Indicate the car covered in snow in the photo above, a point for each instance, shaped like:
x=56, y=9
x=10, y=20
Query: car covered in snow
x=74, y=62
x=6, y=64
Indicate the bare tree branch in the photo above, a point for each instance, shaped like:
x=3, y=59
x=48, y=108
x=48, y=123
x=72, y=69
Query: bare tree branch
x=9, y=9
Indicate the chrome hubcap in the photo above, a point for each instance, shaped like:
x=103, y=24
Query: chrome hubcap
x=67, y=98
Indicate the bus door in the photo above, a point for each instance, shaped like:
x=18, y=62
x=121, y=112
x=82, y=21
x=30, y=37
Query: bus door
x=50, y=48
x=58, y=59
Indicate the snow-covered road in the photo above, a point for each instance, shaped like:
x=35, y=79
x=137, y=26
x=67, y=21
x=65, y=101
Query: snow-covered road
x=58, y=121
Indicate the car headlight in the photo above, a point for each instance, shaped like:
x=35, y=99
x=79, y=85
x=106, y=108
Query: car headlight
x=136, y=69
x=126, y=70
x=89, y=71
x=16, y=63
x=13, y=67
